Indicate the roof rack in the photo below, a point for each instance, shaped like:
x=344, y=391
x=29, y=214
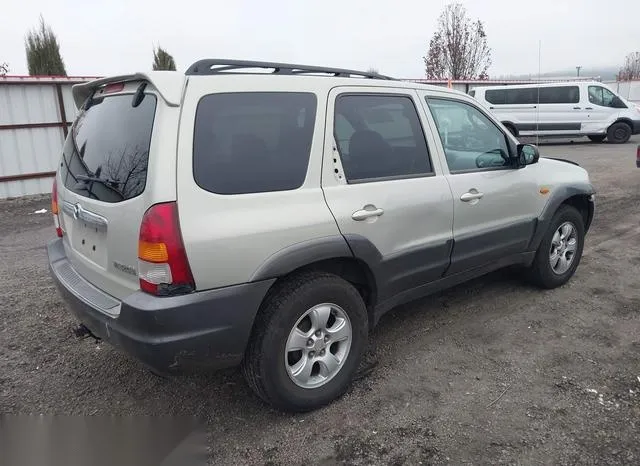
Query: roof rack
x=214, y=66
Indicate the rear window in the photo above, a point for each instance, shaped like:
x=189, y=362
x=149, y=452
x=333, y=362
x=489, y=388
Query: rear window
x=527, y=95
x=531, y=95
x=106, y=154
x=521, y=96
x=253, y=142
x=495, y=96
x=560, y=95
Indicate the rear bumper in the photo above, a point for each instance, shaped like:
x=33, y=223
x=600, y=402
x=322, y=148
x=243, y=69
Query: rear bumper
x=169, y=334
x=636, y=127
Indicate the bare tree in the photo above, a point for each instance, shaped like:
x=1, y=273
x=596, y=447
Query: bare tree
x=631, y=68
x=458, y=49
x=4, y=68
x=162, y=60
x=43, y=52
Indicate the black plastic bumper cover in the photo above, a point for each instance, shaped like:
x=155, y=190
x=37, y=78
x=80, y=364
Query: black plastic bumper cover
x=170, y=334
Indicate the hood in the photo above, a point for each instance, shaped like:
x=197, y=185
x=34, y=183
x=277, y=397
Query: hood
x=562, y=160
x=562, y=172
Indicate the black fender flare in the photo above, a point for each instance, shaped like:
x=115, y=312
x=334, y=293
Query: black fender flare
x=301, y=254
x=305, y=253
x=559, y=196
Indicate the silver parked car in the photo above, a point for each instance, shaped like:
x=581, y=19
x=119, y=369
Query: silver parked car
x=232, y=217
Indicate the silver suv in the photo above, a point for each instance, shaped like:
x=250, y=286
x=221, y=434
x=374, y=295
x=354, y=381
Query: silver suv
x=267, y=214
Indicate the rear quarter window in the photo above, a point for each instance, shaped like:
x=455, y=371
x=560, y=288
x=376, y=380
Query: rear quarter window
x=253, y=142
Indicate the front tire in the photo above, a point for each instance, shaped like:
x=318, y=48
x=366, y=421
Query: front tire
x=307, y=342
x=619, y=133
x=560, y=250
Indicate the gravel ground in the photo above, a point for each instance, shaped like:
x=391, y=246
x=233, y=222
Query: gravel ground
x=490, y=372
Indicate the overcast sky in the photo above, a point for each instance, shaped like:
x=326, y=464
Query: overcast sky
x=117, y=36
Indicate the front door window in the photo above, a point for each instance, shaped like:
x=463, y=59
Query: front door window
x=471, y=141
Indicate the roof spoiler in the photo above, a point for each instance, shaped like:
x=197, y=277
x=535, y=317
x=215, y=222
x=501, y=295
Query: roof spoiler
x=168, y=84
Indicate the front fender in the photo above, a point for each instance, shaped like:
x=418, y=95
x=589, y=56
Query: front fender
x=559, y=196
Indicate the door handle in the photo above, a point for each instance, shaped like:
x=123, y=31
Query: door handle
x=363, y=214
x=576, y=108
x=471, y=196
x=588, y=108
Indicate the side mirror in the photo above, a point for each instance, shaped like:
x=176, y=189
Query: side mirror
x=527, y=154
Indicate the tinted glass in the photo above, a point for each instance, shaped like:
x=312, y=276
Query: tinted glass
x=471, y=141
x=495, y=96
x=106, y=154
x=343, y=132
x=560, y=95
x=253, y=142
x=524, y=96
x=386, y=138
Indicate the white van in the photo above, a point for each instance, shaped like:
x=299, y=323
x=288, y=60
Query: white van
x=580, y=108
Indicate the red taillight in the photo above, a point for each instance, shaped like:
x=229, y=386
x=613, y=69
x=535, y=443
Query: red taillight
x=638, y=156
x=54, y=207
x=163, y=267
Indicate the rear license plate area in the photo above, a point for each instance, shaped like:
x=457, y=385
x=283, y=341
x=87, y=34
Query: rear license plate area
x=90, y=241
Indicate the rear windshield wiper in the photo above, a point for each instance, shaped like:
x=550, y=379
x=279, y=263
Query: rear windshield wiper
x=111, y=184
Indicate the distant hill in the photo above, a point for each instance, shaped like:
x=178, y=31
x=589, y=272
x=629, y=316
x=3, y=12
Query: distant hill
x=605, y=73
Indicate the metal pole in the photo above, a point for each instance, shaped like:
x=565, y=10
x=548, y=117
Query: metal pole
x=63, y=114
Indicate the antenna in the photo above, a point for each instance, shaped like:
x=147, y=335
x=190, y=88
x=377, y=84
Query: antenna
x=538, y=88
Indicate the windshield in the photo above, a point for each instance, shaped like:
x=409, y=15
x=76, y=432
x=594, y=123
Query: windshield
x=106, y=154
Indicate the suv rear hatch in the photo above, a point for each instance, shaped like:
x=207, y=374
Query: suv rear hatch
x=102, y=180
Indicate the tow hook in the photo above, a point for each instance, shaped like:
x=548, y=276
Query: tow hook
x=81, y=331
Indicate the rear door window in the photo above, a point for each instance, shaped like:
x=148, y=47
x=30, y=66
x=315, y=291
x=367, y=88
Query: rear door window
x=521, y=96
x=387, y=138
x=253, y=142
x=106, y=155
x=560, y=95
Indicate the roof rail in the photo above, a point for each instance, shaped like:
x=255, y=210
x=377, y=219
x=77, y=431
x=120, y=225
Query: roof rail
x=214, y=66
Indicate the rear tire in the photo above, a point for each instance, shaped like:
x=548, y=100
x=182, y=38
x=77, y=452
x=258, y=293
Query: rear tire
x=272, y=368
x=619, y=133
x=597, y=138
x=560, y=250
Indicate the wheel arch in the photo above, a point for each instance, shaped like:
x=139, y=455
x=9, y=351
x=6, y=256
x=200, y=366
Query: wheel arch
x=583, y=204
x=329, y=254
x=621, y=120
x=625, y=120
x=579, y=197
